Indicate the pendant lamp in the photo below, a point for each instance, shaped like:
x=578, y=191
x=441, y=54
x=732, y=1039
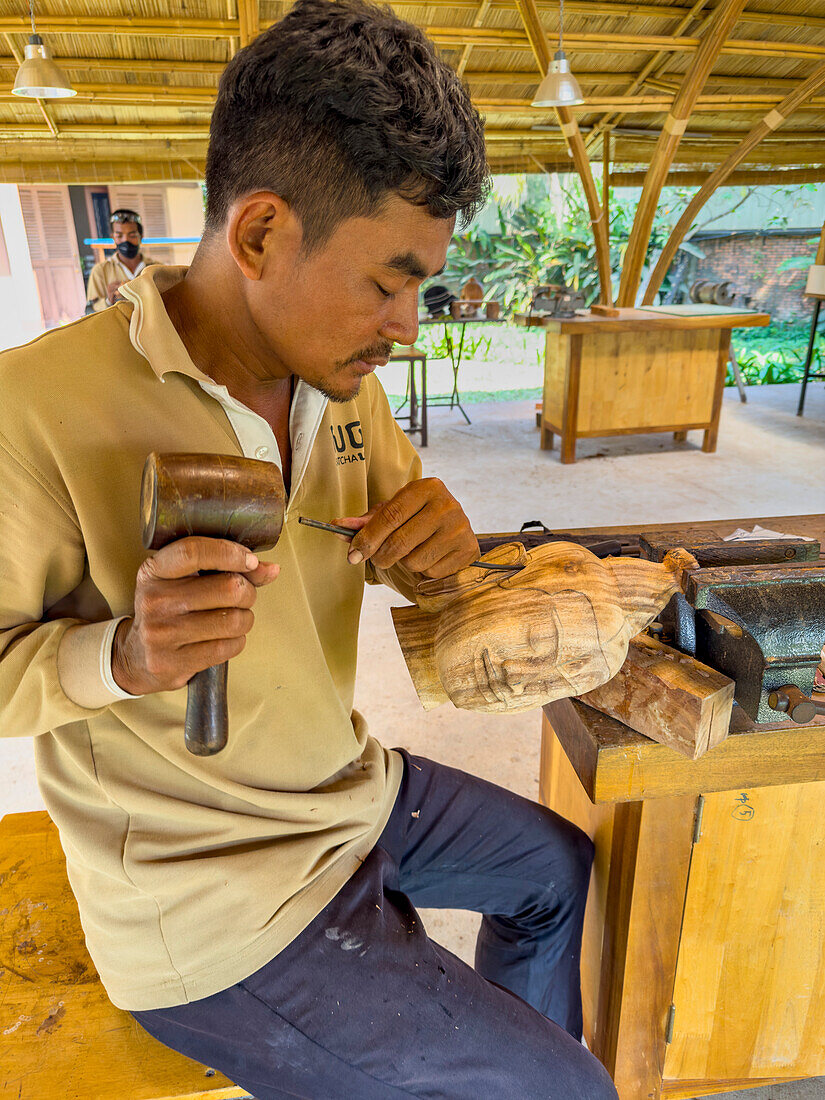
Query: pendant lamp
x=38, y=77
x=559, y=88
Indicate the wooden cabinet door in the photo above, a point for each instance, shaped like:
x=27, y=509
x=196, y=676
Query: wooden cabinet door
x=749, y=994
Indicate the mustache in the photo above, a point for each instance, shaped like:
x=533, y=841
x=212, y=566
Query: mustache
x=375, y=351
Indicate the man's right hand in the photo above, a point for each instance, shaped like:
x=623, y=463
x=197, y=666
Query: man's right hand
x=184, y=622
x=111, y=291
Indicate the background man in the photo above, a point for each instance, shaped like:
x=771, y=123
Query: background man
x=109, y=275
x=256, y=909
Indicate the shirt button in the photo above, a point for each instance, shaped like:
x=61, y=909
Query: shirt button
x=261, y=452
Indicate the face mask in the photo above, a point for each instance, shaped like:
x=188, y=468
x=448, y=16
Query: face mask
x=128, y=249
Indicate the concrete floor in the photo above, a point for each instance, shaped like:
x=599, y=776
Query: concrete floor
x=769, y=462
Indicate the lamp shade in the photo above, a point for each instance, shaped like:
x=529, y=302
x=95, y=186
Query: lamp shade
x=559, y=88
x=38, y=77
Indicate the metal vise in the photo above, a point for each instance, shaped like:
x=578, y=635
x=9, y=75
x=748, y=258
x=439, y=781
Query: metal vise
x=761, y=625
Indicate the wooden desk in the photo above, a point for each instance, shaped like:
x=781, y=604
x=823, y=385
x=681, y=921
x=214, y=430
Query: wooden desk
x=703, y=966
x=638, y=372
x=60, y=1036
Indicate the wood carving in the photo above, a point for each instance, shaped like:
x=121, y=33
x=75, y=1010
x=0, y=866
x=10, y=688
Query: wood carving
x=668, y=696
x=557, y=625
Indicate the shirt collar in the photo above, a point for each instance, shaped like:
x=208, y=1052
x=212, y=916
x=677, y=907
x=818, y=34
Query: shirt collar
x=150, y=329
x=156, y=338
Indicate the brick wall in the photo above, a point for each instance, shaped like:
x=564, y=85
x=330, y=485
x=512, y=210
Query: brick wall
x=750, y=263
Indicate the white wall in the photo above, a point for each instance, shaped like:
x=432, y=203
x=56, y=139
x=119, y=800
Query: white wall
x=20, y=319
x=184, y=207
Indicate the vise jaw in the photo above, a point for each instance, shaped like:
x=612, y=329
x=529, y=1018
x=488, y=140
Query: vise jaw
x=761, y=625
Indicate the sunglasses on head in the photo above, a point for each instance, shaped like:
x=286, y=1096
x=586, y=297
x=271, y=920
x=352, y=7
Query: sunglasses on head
x=126, y=216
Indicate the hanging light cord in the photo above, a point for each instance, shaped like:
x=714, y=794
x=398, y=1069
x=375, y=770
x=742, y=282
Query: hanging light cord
x=31, y=13
x=561, y=23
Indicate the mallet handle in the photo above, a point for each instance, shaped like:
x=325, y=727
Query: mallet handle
x=206, y=729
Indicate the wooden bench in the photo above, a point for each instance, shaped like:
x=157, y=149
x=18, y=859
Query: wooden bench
x=60, y=1036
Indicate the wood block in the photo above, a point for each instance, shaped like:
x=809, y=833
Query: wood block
x=667, y=696
x=604, y=311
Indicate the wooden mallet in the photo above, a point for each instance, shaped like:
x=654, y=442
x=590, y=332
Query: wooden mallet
x=220, y=497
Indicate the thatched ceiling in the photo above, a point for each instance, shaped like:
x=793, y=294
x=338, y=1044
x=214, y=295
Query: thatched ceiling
x=146, y=73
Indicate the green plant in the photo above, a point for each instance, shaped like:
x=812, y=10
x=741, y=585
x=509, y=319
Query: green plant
x=535, y=244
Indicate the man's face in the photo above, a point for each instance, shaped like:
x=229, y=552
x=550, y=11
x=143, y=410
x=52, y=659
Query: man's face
x=126, y=231
x=332, y=316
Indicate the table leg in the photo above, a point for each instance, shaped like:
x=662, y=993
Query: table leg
x=413, y=398
x=570, y=416
x=679, y=437
x=423, y=402
x=633, y=920
x=712, y=433
x=809, y=356
x=454, y=396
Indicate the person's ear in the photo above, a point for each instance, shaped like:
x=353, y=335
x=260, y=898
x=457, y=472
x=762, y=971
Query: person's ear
x=259, y=226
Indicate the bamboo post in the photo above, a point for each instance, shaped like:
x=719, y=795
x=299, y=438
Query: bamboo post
x=820, y=252
x=570, y=129
x=606, y=181
x=715, y=180
x=675, y=125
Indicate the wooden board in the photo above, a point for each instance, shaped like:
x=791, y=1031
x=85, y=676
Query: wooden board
x=637, y=320
x=812, y=524
x=615, y=764
x=647, y=379
x=667, y=696
x=60, y=1036
x=749, y=994
x=710, y=551
x=556, y=357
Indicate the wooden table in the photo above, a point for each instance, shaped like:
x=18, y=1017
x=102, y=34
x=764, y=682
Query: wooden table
x=454, y=352
x=635, y=373
x=60, y=1036
x=703, y=966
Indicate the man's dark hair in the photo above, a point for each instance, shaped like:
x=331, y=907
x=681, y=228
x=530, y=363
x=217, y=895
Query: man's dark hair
x=335, y=107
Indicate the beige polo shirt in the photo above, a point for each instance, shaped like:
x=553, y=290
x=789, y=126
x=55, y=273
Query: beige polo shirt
x=190, y=872
x=111, y=270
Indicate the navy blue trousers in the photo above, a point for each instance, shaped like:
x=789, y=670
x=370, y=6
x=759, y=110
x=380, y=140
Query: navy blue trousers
x=363, y=1005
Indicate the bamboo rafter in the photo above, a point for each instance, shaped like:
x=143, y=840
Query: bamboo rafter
x=249, y=21
x=481, y=15
x=570, y=129
x=182, y=95
x=756, y=177
x=725, y=18
x=448, y=36
x=768, y=125
x=585, y=77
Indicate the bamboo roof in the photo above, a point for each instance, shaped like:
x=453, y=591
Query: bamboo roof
x=146, y=72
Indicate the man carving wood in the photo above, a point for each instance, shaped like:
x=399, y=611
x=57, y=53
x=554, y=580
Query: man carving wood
x=255, y=909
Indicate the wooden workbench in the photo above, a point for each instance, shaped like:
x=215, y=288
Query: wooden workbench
x=703, y=964
x=638, y=372
x=61, y=1038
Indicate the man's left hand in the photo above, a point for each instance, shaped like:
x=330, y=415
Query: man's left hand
x=423, y=527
